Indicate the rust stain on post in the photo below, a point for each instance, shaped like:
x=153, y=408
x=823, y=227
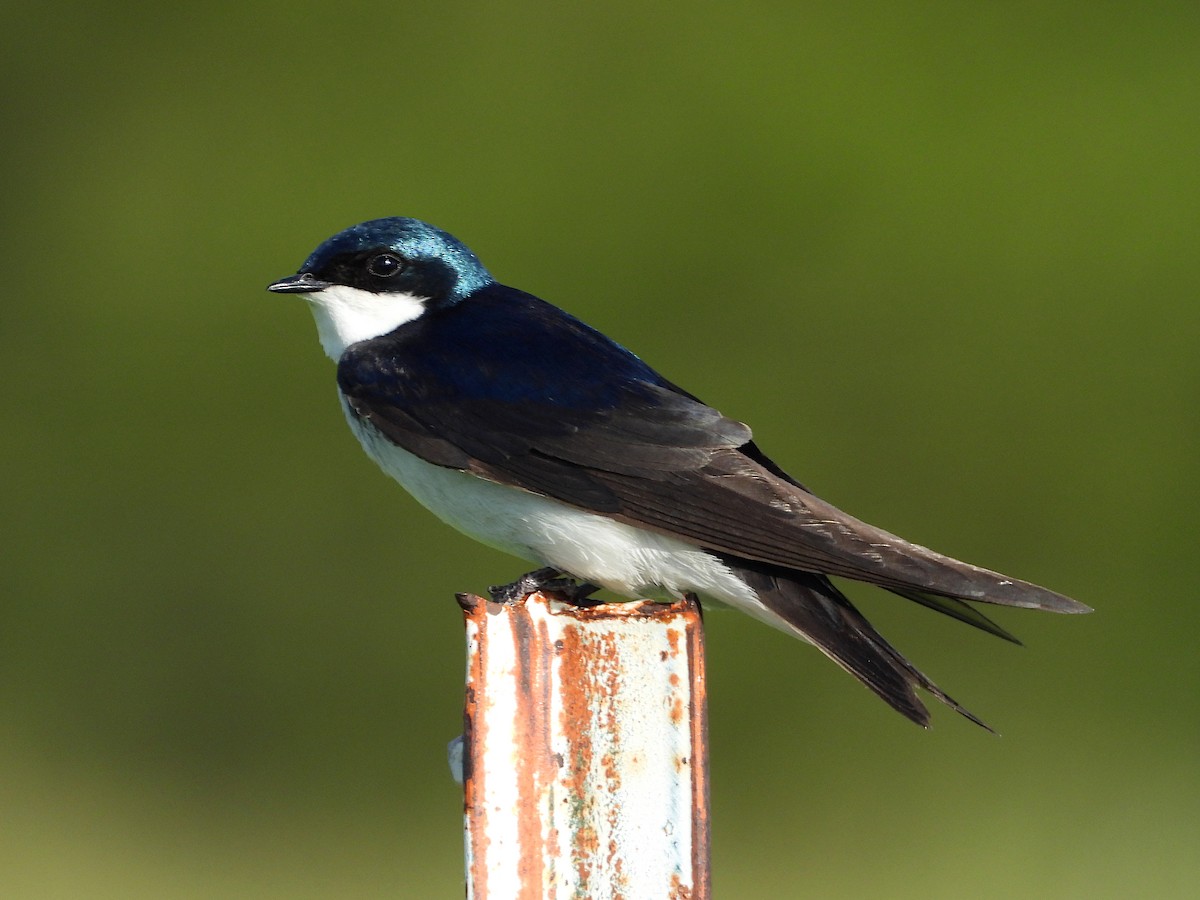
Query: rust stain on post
x=701, y=888
x=585, y=755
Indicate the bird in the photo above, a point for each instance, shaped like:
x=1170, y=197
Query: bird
x=530, y=431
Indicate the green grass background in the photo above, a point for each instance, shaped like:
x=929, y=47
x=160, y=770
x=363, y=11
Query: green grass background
x=942, y=256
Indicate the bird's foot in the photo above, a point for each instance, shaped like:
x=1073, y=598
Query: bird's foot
x=549, y=580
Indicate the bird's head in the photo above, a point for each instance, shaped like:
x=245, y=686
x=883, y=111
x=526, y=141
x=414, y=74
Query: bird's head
x=372, y=278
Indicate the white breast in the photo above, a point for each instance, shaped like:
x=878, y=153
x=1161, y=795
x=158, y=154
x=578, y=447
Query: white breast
x=625, y=559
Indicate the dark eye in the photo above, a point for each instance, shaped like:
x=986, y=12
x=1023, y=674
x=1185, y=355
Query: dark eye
x=384, y=265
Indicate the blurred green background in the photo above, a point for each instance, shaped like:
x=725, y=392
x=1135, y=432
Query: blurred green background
x=942, y=257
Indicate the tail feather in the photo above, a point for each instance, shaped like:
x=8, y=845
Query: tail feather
x=956, y=609
x=810, y=606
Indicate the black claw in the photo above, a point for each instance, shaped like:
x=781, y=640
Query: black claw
x=580, y=594
x=529, y=583
x=548, y=580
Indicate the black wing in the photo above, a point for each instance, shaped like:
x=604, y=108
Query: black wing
x=516, y=391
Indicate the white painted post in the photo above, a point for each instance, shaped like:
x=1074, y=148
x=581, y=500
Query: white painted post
x=585, y=759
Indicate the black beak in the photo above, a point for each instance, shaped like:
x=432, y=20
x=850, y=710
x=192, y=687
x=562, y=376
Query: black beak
x=304, y=283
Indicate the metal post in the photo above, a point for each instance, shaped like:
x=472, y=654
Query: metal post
x=585, y=756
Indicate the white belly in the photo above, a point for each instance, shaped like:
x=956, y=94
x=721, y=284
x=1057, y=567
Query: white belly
x=620, y=557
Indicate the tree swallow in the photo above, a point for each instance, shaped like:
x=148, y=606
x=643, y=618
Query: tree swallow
x=526, y=429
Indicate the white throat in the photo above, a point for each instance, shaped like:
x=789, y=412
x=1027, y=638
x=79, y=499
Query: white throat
x=347, y=315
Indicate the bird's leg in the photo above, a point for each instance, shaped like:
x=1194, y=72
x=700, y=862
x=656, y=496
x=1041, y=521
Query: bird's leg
x=548, y=579
x=580, y=593
x=529, y=583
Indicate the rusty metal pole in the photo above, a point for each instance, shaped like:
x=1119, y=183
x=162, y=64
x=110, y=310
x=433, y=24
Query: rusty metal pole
x=585, y=756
